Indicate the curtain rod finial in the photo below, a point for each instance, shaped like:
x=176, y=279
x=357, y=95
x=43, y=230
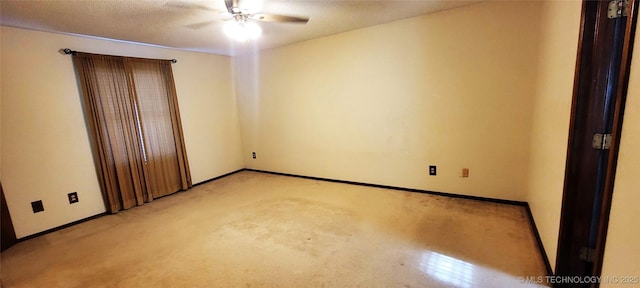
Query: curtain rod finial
x=174, y=61
x=66, y=51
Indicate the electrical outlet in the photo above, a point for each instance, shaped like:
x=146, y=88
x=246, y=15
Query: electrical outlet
x=465, y=172
x=73, y=197
x=37, y=206
x=432, y=170
x=253, y=154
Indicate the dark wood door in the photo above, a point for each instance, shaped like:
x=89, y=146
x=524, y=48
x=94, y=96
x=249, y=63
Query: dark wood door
x=598, y=104
x=8, y=234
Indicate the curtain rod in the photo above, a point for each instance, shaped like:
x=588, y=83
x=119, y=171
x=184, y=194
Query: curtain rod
x=68, y=51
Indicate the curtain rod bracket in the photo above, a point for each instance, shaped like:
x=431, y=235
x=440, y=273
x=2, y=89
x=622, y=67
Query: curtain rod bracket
x=174, y=61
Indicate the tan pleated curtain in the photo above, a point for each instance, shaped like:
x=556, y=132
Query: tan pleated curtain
x=134, y=121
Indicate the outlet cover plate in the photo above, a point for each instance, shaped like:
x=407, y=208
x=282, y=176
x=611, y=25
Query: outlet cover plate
x=432, y=170
x=37, y=206
x=73, y=197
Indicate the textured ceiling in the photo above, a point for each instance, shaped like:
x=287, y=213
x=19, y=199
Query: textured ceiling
x=197, y=25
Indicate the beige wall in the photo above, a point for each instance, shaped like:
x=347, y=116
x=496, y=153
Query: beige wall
x=45, y=147
x=380, y=104
x=559, y=31
x=623, y=245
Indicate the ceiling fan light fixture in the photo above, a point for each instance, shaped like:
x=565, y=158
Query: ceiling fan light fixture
x=242, y=30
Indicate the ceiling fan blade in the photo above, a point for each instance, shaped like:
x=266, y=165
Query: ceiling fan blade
x=200, y=25
x=279, y=18
x=188, y=5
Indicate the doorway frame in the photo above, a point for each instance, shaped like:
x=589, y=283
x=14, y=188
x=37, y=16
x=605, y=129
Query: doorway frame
x=583, y=76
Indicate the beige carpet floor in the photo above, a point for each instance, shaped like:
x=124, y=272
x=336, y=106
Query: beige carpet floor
x=254, y=229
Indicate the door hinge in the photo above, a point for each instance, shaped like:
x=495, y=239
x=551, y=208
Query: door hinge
x=601, y=141
x=587, y=254
x=618, y=8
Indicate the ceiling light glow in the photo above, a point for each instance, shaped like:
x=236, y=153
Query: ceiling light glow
x=242, y=30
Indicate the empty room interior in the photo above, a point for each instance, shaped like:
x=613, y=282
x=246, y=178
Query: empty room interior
x=416, y=150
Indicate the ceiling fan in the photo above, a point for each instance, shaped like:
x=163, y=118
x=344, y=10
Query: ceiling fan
x=241, y=24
